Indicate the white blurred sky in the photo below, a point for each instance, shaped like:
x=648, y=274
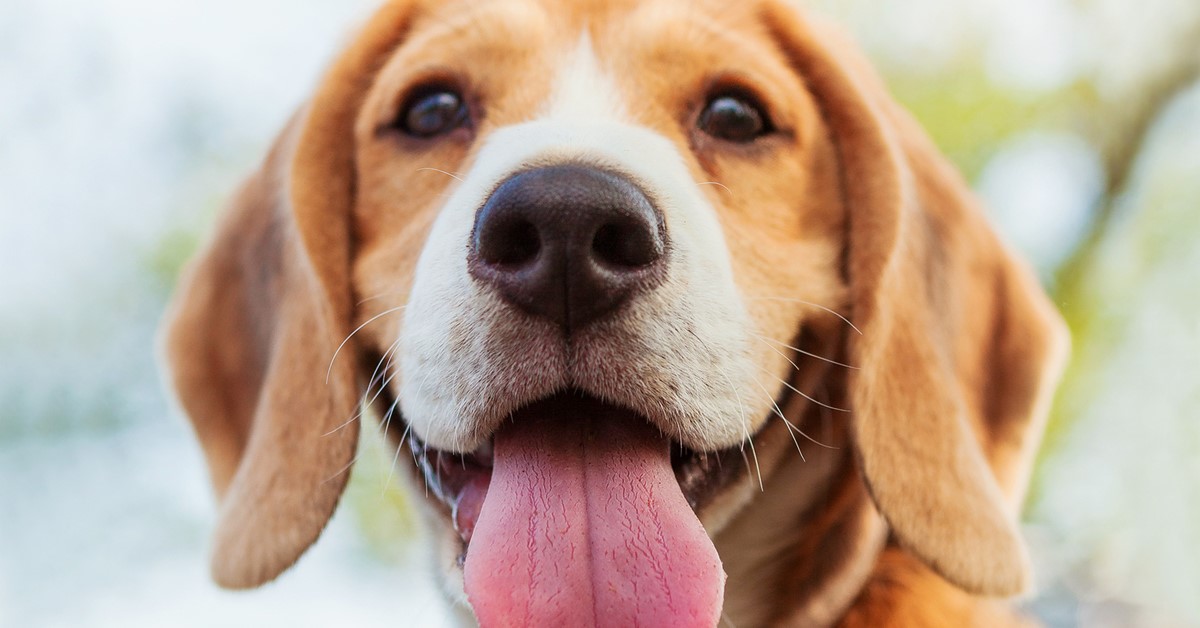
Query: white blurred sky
x=102, y=100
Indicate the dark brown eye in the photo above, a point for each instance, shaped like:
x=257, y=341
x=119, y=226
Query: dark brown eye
x=434, y=112
x=734, y=119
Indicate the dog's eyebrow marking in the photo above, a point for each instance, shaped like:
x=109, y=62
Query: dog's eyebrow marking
x=582, y=90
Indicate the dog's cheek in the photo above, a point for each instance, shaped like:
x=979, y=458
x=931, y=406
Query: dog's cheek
x=393, y=217
x=786, y=244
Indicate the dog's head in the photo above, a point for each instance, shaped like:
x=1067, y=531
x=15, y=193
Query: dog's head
x=579, y=247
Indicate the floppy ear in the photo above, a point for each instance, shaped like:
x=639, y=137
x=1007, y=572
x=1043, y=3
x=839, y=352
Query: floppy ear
x=959, y=349
x=259, y=315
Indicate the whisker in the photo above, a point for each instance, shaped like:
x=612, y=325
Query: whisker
x=343, y=469
x=343, y=425
x=362, y=410
x=716, y=183
x=364, y=402
x=448, y=174
x=800, y=431
x=385, y=379
x=827, y=417
x=424, y=379
x=399, y=446
x=356, y=330
x=380, y=296
x=386, y=423
x=746, y=461
x=776, y=350
x=792, y=429
x=376, y=373
x=816, y=305
x=404, y=435
x=801, y=393
x=802, y=351
x=745, y=424
x=756, y=467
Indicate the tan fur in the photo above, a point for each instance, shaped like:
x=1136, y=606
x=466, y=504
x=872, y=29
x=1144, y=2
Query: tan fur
x=851, y=208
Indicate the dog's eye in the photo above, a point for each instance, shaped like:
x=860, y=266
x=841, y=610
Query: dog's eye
x=733, y=118
x=433, y=112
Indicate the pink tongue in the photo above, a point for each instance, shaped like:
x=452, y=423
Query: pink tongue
x=585, y=525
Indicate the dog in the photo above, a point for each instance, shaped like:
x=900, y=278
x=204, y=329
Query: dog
x=682, y=318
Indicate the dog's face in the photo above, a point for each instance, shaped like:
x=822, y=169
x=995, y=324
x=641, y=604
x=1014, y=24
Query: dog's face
x=589, y=253
x=637, y=107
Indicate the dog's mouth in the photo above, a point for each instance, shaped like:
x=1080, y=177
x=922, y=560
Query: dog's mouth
x=579, y=512
x=460, y=481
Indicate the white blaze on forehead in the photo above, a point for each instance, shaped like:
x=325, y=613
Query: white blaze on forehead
x=582, y=91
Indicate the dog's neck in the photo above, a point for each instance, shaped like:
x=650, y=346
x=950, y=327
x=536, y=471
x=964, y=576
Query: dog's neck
x=800, y=551
x=799, y=547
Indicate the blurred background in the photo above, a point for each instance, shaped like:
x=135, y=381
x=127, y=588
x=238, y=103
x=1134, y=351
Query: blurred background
x=125, y=123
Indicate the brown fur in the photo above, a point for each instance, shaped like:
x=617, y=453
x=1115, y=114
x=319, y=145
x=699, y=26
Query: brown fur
x=852, y=207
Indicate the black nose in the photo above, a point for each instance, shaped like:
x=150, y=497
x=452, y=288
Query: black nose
x=568, y=243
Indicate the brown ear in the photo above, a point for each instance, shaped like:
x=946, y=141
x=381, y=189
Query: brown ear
x=251, y=335
x=959, y=349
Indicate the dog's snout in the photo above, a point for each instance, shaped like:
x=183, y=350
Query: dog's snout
x=569, y=243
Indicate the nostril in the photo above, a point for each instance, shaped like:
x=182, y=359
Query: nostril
x=513, y=242
x=568, y=243
x=629, y=244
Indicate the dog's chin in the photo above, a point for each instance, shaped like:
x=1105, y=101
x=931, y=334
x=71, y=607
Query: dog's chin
x=457, y=483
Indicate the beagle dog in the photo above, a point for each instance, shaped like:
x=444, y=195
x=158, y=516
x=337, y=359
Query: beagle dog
x=683, y=320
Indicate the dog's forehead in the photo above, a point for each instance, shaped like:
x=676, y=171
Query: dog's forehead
x=663, y=29
x=652, y=60
x=540, y=17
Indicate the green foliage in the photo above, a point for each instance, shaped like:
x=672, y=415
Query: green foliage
x=164, y=261
x=970, y=118
x=378, y=497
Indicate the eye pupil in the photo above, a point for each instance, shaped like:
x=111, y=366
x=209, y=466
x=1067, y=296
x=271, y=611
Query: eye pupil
x=434, y=113
x=732, y=118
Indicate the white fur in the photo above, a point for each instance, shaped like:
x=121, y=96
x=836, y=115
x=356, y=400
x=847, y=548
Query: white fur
x=583, y=93
x=679, y=354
